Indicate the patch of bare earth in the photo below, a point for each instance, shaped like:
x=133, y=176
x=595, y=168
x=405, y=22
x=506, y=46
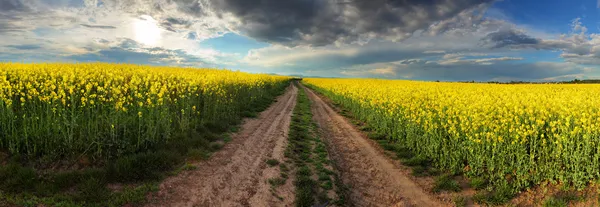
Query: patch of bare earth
x=373, y=178
x=237, y=174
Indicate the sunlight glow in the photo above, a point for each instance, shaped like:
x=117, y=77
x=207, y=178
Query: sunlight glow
x=146, y=30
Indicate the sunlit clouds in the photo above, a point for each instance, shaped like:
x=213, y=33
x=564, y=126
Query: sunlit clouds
x=146, y=30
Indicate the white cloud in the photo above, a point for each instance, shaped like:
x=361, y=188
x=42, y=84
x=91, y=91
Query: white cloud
x=64, y=29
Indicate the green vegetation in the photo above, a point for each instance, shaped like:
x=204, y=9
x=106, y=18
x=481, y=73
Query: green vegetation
x=87, y=181
x=478, y=183
x=497, y=196
x=299, y=150
x=272, y=162
x=101, y=111
x=459, y=201
x=562, y=199
x=276, y=181
x=446, y=183
x=310, y=158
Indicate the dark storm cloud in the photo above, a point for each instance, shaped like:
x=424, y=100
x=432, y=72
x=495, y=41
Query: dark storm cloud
x=509, y=38
x=324, y=22
x=98, y=26
x=307, y=22
x=318, y=22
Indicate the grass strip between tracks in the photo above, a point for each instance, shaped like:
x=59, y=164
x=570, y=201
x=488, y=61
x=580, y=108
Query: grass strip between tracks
x=316, y=181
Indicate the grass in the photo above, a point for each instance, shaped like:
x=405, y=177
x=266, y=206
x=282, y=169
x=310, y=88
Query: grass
x=198, y=154
x=416, y=161
x=555, y=202
x=459, y=201
x=216, y=145
x=446, y=183
x=189, y=167
x=300, y=151
x=478, y=183
x=272, y=162
x=24, y=183
x=562, y=198
x=497, y=196
x=276, y=181
x=309, y=155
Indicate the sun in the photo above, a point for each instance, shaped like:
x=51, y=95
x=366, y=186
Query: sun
x=146, y=30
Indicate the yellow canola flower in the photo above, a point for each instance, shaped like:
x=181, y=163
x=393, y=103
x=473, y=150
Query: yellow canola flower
x=489, y=128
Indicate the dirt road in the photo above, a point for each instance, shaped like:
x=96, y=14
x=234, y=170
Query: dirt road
x=237, y=174
x=372, y=177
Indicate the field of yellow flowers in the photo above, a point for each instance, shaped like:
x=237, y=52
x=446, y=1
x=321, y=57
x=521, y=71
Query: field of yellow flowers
x=105, y=110
x=514, y=136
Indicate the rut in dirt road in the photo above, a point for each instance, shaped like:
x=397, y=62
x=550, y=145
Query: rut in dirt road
x=372, y=177
x=236, y=175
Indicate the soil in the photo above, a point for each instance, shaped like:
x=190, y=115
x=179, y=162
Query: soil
x=237, y=174
x=373, y=178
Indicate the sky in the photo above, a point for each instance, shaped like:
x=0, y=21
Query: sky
x=446, y=40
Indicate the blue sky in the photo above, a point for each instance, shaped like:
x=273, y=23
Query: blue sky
x=483, y=40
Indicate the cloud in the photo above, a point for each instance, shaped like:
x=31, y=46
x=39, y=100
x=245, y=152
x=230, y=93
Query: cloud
x=384, y=38
x=98, y=26
x=24, y=47
x=459, y=59
x=306, y=22
x=126, y=50
x=578, y=46
x=383, y=71
x=462, y=41
x=173, y=24
x=320, y=23
x=13, y=5
x=505, y=71
x=434, y=52
x=62, y=29
x=452, y=55
x=509, y=38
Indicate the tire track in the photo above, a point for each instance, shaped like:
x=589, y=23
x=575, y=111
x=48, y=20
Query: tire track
x=373, y=178
x=235, y=175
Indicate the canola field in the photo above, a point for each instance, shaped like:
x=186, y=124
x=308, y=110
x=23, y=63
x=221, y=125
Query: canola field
x=513, y=136
x=105, y=110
